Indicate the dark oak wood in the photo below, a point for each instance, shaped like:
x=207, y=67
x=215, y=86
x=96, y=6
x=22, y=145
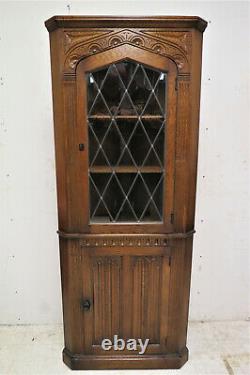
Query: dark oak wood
x=134, y=274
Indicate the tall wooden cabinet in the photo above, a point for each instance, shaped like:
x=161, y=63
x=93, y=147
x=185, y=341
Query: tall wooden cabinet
x=126, y=95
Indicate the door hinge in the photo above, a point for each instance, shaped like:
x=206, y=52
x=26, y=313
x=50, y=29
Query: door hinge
x=176, y=83
x=172, y=218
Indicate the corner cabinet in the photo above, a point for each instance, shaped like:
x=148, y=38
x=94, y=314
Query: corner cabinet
x=126, y=97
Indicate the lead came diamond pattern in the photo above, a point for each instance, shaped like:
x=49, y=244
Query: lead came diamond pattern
x=126, y=126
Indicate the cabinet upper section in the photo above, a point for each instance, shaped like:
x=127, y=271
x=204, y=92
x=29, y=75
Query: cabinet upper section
x=169, y=36
x=126, y=114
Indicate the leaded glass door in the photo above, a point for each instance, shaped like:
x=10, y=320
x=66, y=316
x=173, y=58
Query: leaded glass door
x=127, y=109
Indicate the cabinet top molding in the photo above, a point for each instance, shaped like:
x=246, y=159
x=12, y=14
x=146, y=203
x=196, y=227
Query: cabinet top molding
x=56, y=22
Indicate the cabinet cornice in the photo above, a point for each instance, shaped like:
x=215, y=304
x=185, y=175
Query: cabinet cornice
x=185, y=22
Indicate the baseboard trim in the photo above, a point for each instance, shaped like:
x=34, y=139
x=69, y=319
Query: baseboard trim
x=153, y=361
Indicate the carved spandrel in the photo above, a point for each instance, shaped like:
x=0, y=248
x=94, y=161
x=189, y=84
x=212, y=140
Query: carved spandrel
x=183, y=39
x=172, y=48
x=73, y=37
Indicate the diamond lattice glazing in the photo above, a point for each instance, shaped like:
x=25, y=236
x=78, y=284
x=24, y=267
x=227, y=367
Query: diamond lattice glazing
x=126, y=122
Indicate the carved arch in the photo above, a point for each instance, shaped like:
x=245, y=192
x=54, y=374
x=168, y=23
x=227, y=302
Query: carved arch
x=132, y=53
x=157, y=45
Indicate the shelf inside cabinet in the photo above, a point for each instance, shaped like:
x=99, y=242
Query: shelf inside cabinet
x=125, y=169
x=100, y=117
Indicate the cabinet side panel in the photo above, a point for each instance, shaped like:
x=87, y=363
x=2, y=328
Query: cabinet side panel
x=194, y=131
x=71, y=276
x=186, y=290
x=182, y=157
x=179, y=294
x=72, y=160
x=187, y=139
x=60, y=131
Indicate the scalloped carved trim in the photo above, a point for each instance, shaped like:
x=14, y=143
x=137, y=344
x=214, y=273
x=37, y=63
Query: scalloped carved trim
x=71, y=38
x=182, y=39
x=170, y=48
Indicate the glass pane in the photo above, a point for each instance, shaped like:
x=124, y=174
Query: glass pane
x=126, y=127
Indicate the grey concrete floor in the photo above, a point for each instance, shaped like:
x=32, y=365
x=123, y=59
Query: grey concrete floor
x=215, y=348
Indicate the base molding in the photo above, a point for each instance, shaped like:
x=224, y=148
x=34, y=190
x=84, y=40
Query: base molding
x=151, y=361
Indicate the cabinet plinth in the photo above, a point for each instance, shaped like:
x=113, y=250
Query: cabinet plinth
x=126, y=94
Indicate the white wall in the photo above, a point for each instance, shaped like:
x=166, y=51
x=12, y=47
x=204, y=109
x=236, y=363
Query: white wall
x=29, y=262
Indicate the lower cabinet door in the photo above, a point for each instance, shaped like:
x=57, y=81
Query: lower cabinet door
x=125, y=300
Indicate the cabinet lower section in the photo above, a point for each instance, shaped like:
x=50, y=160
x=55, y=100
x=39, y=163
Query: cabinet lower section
x=133, y=287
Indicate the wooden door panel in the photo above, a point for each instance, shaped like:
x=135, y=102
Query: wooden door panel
x=150, y=275
x=107, y=297
x=129, y=298
x=102, y=286
x=146, y=295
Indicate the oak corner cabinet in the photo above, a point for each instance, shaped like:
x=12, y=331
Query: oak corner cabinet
x=126, y=94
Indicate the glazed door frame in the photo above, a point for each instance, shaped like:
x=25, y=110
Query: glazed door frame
x=102, y=60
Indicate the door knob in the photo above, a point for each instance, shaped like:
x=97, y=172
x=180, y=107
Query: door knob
x=85, y=304
x=81, y=146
